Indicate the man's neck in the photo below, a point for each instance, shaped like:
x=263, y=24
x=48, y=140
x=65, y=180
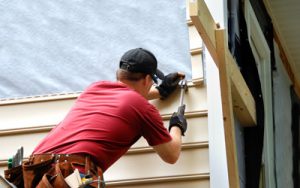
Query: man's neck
x=135, y=85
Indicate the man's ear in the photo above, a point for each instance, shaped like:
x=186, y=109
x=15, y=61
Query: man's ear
x=145, y=81
x=148, y=79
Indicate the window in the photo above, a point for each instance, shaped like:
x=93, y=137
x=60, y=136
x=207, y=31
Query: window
x=262, y=57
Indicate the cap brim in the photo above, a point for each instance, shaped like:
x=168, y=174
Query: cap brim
x=158, y=74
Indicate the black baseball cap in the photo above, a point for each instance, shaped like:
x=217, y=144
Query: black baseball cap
x=140, y=60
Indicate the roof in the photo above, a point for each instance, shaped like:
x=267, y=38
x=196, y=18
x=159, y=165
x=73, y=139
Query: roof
x=285, y=17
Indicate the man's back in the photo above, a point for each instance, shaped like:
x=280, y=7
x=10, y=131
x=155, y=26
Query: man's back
x=104, y=122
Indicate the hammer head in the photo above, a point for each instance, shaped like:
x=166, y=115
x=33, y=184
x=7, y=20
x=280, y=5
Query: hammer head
x=183, y=89
x=183, y=84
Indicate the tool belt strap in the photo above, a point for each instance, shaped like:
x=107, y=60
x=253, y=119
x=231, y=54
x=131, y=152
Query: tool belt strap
x=75, y=159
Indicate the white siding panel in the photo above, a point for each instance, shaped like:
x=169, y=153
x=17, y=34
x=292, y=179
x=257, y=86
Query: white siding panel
x=2, y=168
x=195, y=39
x=34, y=113
x=10, y=144
x=202, y=183
x=197, y=132
x=197, y=71
x=195, y=100
x=145, y=165
x=51, y=112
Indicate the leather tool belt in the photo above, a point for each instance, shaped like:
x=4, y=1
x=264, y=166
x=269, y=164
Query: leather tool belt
x=50, y=170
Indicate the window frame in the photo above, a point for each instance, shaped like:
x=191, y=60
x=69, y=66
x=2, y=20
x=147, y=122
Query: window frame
x=262, y=55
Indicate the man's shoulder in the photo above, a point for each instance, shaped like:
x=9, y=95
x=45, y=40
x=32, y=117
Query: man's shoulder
x=105, y=85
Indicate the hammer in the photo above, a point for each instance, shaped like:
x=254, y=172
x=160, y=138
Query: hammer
x=183, y=89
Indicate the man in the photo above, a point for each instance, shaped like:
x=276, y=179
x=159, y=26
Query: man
x=109, y=117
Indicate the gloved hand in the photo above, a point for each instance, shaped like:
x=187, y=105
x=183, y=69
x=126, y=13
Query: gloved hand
x=169, y=84
x=179, y=121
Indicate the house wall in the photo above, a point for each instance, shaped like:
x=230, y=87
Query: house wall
x=26, y=122
x=217, y=152
x=282, y=121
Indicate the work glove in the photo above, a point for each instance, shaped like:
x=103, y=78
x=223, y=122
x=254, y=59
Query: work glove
x=169, y=84
x=178, y=120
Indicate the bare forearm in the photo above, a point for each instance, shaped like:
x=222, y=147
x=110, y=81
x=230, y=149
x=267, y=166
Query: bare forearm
x=153, y=93
x=175, y=132
x=170, y=151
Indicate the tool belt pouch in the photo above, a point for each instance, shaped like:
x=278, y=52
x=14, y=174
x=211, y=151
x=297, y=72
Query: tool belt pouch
x=15, y=176
x=33, y=173
x=46, y=173
x=56, y=176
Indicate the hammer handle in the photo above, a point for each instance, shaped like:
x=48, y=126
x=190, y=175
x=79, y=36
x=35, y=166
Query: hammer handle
x=181, y=109
x=181, y=96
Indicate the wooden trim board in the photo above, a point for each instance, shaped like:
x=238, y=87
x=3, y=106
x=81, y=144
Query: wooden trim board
x=227, y=110
x=244, y=104
x=236, y=96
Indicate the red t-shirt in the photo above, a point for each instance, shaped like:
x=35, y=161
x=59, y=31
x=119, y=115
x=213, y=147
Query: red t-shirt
x=105, y=121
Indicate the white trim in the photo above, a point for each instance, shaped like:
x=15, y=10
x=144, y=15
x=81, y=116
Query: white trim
x=39, y=98
x=262, y=57
x=216, y=136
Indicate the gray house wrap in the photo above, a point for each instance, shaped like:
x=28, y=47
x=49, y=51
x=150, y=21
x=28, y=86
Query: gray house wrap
x=49, y=47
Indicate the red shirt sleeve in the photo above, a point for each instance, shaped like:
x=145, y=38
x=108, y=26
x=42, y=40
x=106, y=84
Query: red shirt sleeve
x=153, y=129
